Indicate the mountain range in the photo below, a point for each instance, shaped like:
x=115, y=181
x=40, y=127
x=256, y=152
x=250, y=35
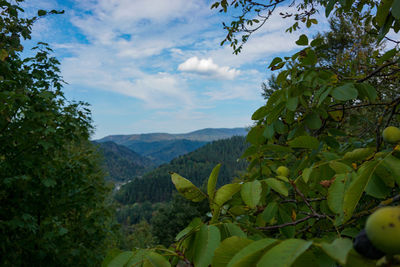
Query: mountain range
x=163, y=147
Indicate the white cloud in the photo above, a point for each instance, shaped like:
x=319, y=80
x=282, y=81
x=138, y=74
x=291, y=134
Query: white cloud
x=206, y=67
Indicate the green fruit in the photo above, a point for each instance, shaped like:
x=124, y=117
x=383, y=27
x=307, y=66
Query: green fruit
x=383, y=229
x=282, y=171
x=391, y=134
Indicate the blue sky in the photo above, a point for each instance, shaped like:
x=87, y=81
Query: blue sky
x=157, y=66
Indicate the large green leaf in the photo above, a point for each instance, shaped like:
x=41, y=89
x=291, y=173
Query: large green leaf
x=336, y=193
x=227, y=249
x=212, y=182
x=186, y=188
x=338, y=249
x=153, y=259
x=270, y=211
x=277, y=185
x=345, y=92
x=255, y=135
x=304, y=142
x=357, y=187
x=206, y=241
x=251, y=193
x=339, y=167
x=121, y=259
x=249, y=255
x=303, y=40
x=225, y=193
x=285, y=253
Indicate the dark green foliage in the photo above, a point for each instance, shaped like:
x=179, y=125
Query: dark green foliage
x=54, y=203
x=121, y=163
x=137, y=212
x=171, y=218
x=156, y=185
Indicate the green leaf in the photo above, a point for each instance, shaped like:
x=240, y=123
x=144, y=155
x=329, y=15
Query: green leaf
x=111, y=254
x=121, y=259
x=259, y=113
x=339, y=167
x=255, y=135
x=225, y=193
x=193, y=224
x=277, y=185
x=275, y=61
x=393, y=165
x=304, y=142
x=212, y=182
x=359, y=154
x=329, y=7
x=251, y=193
x=285, y=253
x=292, y=103
x=206, y=241
x=377, y=188
x=249, y=255
x=227, y=249
x=303, y=40
x=230, y=229
x=269, y=131
x=186, y=188
x=366, y=91
x=270, y=211
x=306, y=174
x=383, y=12
x=153, y=259
x=313, y=121
x=357, y=187
x=345, y=92
x=396, y=9
x=41, y=12
x=338, y=249
x=336, y=194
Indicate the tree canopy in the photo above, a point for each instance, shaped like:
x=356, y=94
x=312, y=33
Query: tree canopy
x=54, y=202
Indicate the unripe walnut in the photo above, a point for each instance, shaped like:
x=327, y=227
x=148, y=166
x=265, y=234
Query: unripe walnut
x=383, y=229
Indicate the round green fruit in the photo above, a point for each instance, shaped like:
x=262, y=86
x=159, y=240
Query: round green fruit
x=391, y=134
x=282, y=171
x=383, y=229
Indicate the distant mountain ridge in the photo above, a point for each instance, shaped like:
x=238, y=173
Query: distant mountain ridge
x=205, y=135
x=163, y=147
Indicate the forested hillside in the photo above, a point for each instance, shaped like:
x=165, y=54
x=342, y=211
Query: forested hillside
x=156, y=186
x=164, y=151
x=122, y=164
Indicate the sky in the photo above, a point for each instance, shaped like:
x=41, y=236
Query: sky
x=157, y=66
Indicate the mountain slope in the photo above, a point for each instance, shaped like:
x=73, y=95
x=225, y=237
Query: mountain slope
x=121, y=163
x=204, y=135
x=164, y=151
x=156, y=186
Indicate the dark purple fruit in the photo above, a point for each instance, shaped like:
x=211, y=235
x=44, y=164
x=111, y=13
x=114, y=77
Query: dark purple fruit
x=364, y=247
